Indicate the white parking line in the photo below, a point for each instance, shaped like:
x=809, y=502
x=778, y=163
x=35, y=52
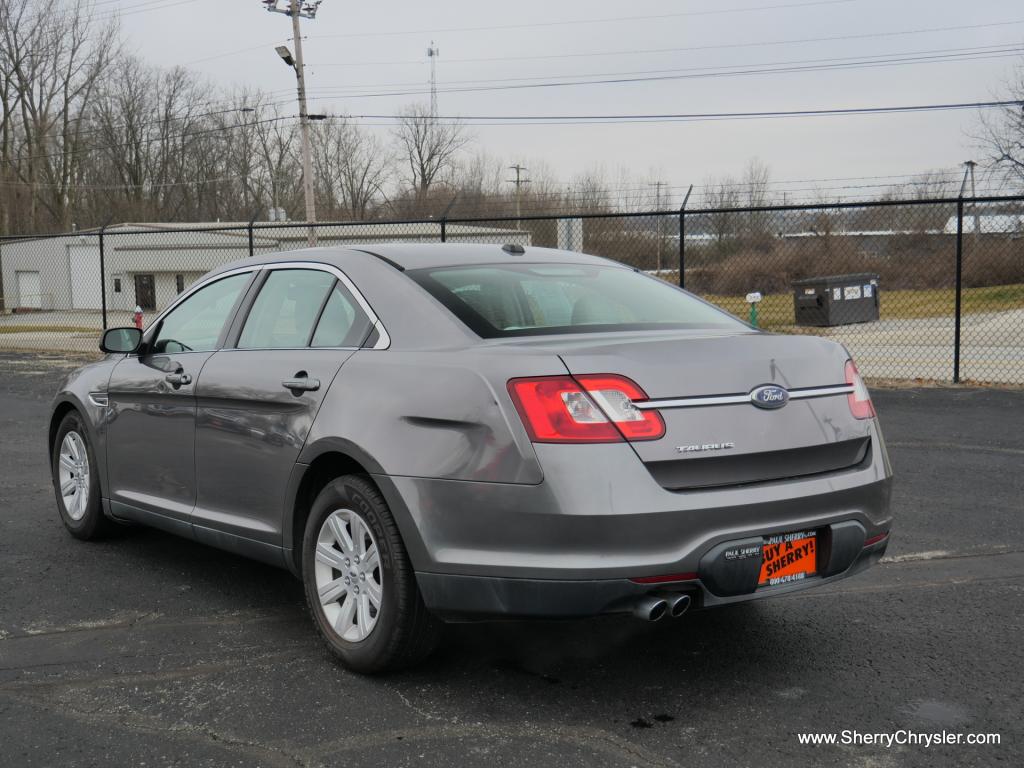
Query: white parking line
x=933, y=554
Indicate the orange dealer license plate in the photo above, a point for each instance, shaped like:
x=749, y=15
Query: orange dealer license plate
x=788, y=557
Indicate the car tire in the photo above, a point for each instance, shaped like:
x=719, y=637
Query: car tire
x=74, y=470
x=370, y=636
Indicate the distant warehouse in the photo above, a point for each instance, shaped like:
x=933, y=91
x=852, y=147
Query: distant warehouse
x=147, y=265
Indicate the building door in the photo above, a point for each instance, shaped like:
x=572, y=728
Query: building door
x=86, y=287
x=29, y=291
x=145, y=292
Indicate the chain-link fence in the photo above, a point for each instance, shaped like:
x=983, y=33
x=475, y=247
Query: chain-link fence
x=924, y=289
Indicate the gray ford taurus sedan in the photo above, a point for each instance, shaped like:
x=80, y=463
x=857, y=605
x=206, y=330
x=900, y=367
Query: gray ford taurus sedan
x=456, y=432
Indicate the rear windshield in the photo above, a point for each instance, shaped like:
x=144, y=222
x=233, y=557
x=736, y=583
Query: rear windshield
x=500, y=300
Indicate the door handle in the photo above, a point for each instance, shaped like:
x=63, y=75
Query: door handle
x=301, y=384
x=178, y=379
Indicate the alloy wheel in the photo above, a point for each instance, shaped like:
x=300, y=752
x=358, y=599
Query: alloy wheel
x=348, y=575
x=74, y=475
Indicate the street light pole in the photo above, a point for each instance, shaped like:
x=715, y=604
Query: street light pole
x=296, y=9
x=307, y=159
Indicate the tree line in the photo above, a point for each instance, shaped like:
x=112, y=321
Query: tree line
x=90, y=134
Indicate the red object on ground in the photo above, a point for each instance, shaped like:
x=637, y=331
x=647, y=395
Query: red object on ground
x=138, y=318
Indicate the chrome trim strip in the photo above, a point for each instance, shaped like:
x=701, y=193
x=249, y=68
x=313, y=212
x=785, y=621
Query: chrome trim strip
x=99, y=399
x=837, y=389
x=693, y=402
x=697, y=402
x=383, y=340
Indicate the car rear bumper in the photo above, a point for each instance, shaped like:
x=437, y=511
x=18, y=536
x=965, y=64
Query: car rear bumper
x=598, y=514
x=472, y=598
x=574, y=544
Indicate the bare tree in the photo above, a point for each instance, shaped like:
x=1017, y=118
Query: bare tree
x=756, y=193
x=428, y=147
x=720, y=194
x=57, y=57
x=1001, y=134
x=351, y=167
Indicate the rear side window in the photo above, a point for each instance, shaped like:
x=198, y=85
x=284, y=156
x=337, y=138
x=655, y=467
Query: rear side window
x=286, y=310
x=502, y=300
x=343, y=323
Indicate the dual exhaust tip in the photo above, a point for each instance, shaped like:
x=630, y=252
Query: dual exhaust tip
x=658, y=605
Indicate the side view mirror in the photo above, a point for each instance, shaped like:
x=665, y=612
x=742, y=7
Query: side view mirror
x=121, y=341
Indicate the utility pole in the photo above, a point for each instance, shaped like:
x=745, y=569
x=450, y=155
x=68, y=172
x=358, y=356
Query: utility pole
x=432, y=53
x=298, y=9
x=518, y=181
x=969, y=171
x=657, y=206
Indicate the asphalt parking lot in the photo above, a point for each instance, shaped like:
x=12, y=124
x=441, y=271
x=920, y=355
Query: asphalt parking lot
x=150, y=650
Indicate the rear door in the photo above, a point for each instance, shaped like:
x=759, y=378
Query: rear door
x=257, y=399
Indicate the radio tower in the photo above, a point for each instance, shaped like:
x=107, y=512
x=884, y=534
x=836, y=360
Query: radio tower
x=432, y=53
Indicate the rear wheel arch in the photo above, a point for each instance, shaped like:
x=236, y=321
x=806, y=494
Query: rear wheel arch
x=328, y=460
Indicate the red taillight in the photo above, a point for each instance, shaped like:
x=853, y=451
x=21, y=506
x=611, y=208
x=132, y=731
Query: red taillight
x=666, y=579
x=859, y=399
x=586, y=409
x=615, y=396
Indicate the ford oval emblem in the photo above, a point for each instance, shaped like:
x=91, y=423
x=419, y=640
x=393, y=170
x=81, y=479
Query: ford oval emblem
x=769, y=397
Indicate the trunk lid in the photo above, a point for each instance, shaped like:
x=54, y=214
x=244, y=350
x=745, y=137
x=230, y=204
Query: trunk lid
x=734, y=443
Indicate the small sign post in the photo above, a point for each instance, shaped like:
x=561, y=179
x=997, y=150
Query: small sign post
x=753, y=299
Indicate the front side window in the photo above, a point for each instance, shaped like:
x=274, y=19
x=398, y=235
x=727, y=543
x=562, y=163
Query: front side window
x=286, y=310
x=196, y=323
x=500, y=300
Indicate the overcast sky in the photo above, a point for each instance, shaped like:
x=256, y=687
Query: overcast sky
x=370, y=47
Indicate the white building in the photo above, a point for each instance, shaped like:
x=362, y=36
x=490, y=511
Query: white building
x=149, y=264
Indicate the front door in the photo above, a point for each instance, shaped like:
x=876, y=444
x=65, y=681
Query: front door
x=257, y=402
x=145, y=292
x=152, y=407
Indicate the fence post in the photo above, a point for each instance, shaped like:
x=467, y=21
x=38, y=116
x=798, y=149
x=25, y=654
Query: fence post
x=959, y=287
x=444, y=218
x=103, y=273
x=682, y=239
x=252, y=250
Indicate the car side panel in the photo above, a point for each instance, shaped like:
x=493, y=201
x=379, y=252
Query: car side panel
x=433, y=414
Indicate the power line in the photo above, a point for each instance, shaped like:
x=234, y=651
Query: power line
x=143, y=185
x=578, y=22
x=834, y=62
x=154, y=139
x=132, y=10
x=719, y=46
x=628, y=52
x=862, y=64
x=700, y=116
